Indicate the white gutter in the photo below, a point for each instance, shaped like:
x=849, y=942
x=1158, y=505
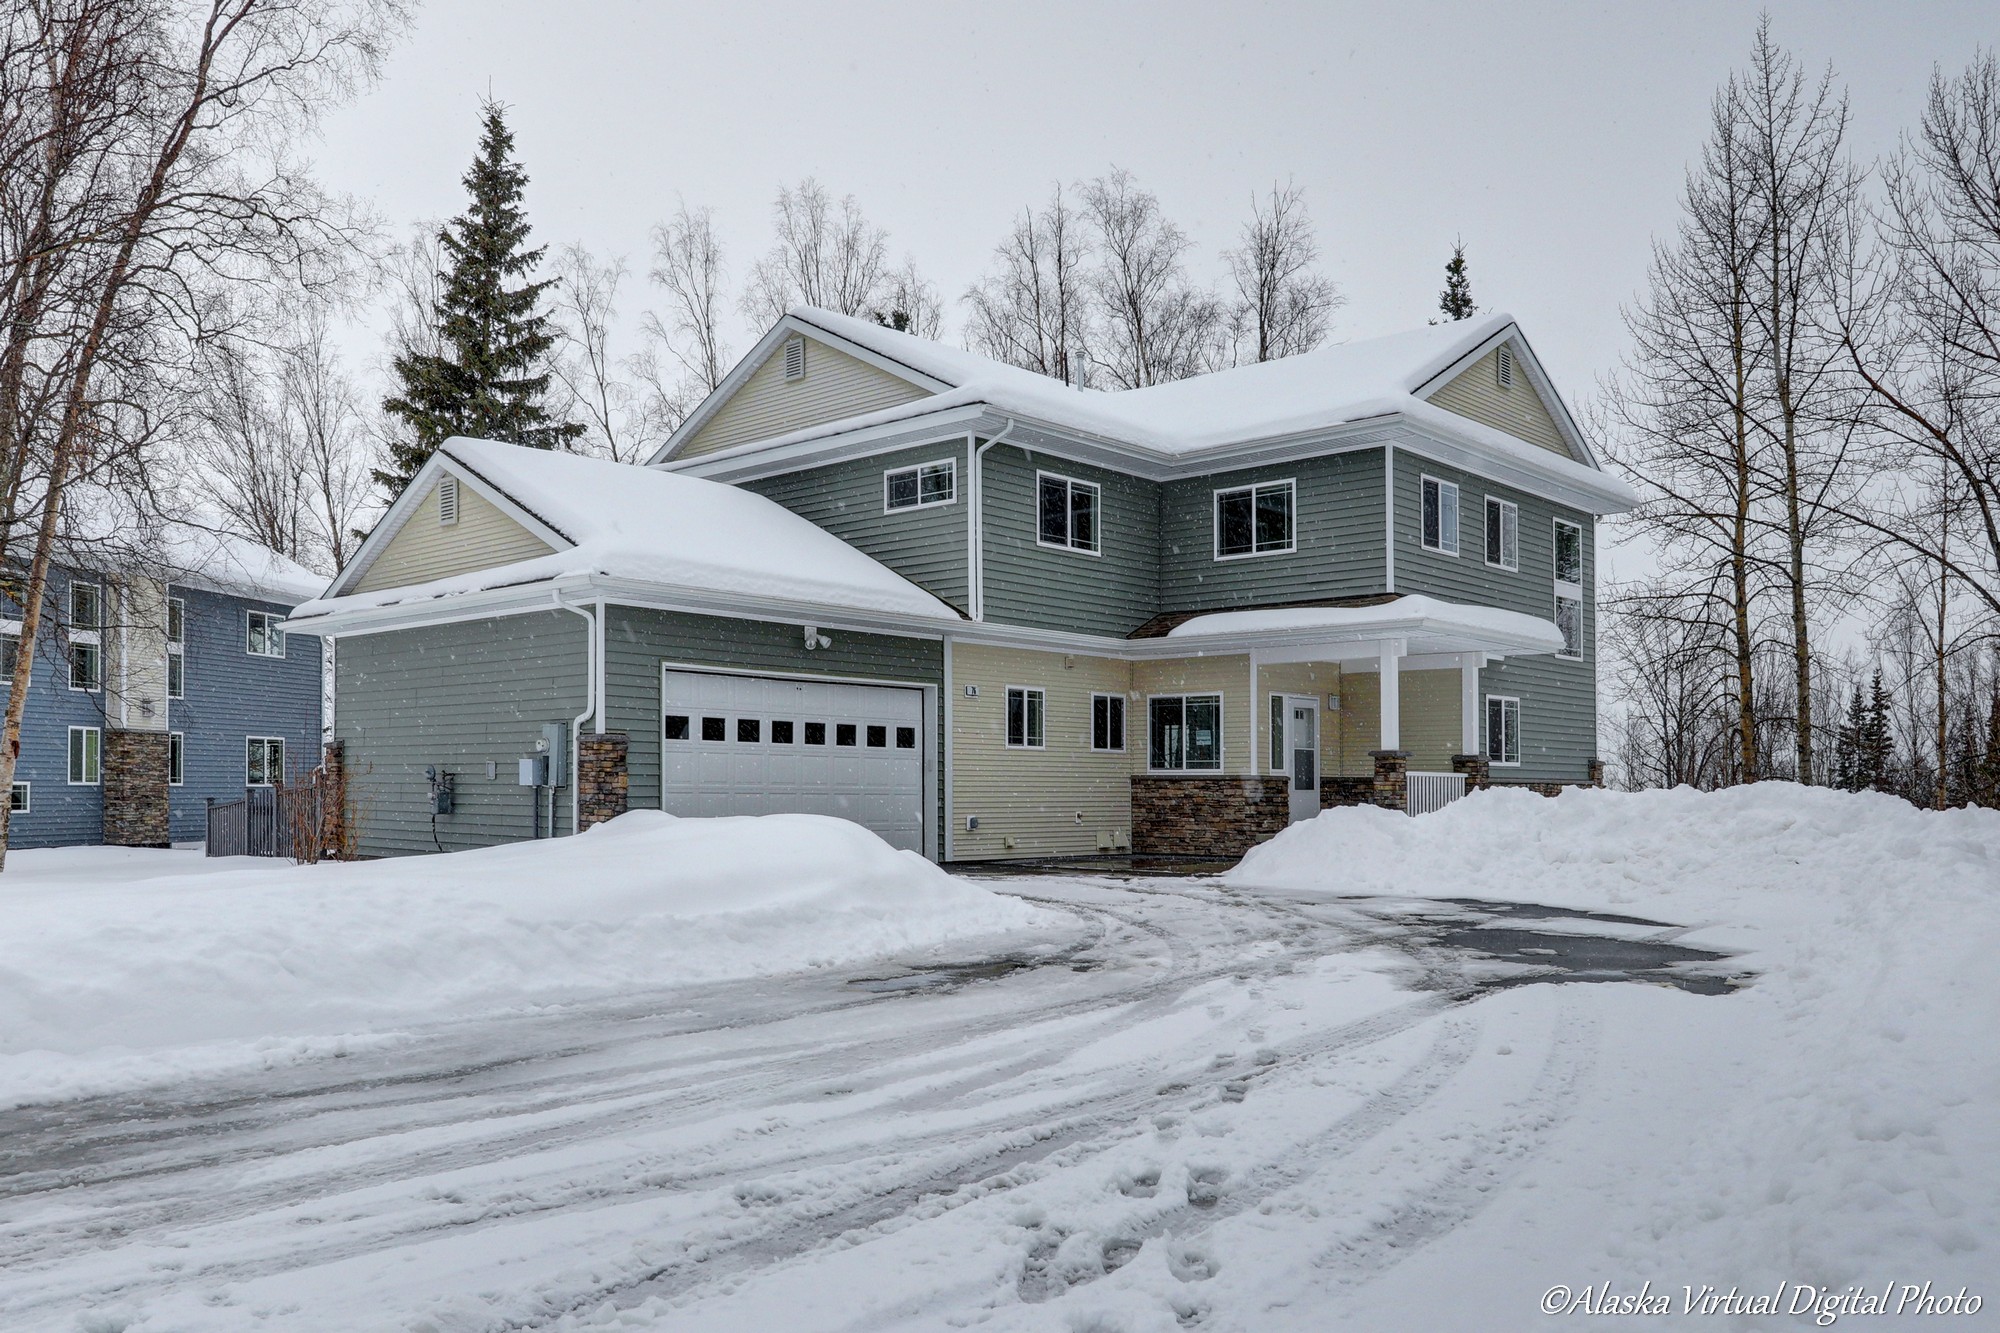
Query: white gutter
x=590, y=704
x=975, y=572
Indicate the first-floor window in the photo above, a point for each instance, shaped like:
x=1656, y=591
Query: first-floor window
x=1569, y=619
x=264, y=761
x=1026, y=718
x=18, y=800
x=1503, y=730
x=1184, y=733
x=176, y=748
x=86, y=750
x=1107, y=721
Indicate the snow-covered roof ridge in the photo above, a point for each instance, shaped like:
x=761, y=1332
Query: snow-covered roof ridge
x=681, y=533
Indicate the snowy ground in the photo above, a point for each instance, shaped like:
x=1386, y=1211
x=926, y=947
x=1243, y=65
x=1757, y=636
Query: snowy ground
x=1321, y=1092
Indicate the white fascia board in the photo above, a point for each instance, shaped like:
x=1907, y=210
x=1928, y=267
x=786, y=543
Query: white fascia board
x=1544, y=387
x=752, y=465
x=754, y=359
x=1467, y=453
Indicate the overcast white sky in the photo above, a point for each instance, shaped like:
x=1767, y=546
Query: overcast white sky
x=1551, y=137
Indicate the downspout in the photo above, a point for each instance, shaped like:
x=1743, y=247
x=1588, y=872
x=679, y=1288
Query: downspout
x=976, y=526
x=1389, y=513
x=590, y=698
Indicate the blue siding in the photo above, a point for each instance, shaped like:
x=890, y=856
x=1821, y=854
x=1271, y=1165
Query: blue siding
x=61, y=814
x=232, y=695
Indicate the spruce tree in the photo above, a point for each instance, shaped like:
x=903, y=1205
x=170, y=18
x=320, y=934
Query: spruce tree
x=1876, y=739
x=490, y=377
x=1847, y=745
x=1456, y=299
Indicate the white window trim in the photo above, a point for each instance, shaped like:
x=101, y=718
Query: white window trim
x=1069, y=515
x=89, y=634
x=90, y=639
x=180, y=781
x=175, y=645
x=1487, y=733
x=1291, y=546
x=918, y=468
x=10, y=629
x=1458, y=514
x=1563, y=589
x=1007, y=706
x=69, y=744
x=1124, y=724
x=266, y=740
x=27, y=790
x=1221, y=733
x=270, y=618
x=1487, y=509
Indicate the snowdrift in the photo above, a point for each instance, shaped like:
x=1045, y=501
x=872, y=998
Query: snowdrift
x=139, y=957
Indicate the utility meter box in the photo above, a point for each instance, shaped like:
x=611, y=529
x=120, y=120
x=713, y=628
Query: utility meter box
x=555, y=746
x=534, y=770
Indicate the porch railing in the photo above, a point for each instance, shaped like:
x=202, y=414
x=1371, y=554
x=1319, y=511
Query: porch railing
x=1426, y=792
x=261, y=823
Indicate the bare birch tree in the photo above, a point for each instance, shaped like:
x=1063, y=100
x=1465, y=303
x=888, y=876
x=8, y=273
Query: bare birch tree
x=688, y=263
x=1032, y=309
x=827, y=255
x=1283, y=305
x=1155, y=323
x=620, y=422
x=144, y=160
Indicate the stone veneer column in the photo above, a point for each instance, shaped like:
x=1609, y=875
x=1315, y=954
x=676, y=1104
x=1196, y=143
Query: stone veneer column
x=135, y=789
x=1595, y=772
x=603, y=779
x=1392, y=768
x=1478, y=774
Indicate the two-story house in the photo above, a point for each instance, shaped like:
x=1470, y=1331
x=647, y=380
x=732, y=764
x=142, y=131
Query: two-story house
x=159, y=682
x=989, y=614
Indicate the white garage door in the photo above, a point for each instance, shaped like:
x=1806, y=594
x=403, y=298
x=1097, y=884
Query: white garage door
x=758, y=745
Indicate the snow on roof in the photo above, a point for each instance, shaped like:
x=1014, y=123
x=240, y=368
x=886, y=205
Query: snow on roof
x=1315, y=390
x=225, y=563
x=681, y=532
x=1412, y=613
x=115, y=531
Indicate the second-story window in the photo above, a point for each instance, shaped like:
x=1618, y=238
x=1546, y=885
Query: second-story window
x=1569, y=586
x=176, y=648
x=1066, y=512
x=1440, y=516
x=1255, y=520
x=86, y=636
x=1503, y=534
x=264, y=636
x=917, y=487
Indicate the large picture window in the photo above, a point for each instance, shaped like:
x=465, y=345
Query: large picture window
x=920, y=487
x=1066, y=512
x=1503, y=729
x=1255, y=520
x=1440, y=516
x=1027, y=718
x=1184, y=733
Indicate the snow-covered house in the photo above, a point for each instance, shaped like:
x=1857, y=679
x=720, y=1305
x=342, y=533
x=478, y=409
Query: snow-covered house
x=989, y=614
x=164, y=674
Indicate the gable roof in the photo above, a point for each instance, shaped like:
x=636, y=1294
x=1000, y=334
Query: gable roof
x=618, y=521
x=1329, y=387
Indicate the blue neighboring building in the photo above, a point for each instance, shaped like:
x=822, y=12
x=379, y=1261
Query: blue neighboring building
x=153, y=691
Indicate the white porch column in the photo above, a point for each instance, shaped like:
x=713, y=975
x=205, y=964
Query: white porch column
x=1468, y=701
x=1257, y=752
x=1391, y=651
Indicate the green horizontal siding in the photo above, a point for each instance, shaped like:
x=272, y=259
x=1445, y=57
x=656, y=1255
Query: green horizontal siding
x=638, y=642
x=927, y=546
x=457, y=697
x=1112, y=592
x=1558, y=697
x=1339, y=532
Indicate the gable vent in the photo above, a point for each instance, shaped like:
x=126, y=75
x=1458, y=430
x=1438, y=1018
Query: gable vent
x=795, y=359
x=1503, y=365
x=447, y=501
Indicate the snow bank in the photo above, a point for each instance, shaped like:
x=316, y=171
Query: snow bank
x=122, y=963
x=1831, y=1123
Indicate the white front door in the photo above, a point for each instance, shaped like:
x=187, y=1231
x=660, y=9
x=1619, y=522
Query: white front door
x=1302, y=751
x=758, y=745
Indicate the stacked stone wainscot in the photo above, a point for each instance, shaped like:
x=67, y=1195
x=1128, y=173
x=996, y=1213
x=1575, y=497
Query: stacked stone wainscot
x=135, y=789
x=603, y=781
x=1203, y=816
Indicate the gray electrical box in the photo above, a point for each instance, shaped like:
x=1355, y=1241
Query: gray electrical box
x=555, y=744
x=534, y=770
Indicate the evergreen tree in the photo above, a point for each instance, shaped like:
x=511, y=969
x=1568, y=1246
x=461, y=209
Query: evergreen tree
x=1876, y=739
x=1456, y=299
x=1847, y=745
x=490, y=376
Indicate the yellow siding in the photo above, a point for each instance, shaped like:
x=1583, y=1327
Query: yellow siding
x=1430, y=719
x=1360, y=722
x=1227, y=676
x=425, y=549
x=1028, y=801
x=767, y=405
x=1475, y=392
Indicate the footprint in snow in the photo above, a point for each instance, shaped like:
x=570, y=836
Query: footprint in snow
x=1192, y=1263
x=1204, y=1187
x=1140, y=1184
